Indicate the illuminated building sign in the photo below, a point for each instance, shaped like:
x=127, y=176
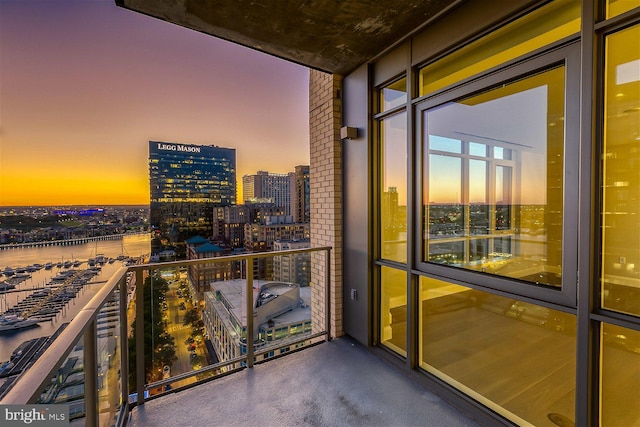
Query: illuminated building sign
x=176, y=147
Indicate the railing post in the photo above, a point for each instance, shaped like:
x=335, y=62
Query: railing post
x=327, y=287
x=249, y=307
x=90, y=376
x=140, y=377
x=124, y=343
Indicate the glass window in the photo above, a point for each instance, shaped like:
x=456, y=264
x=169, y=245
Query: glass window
x=515, y=197
x=621, y=174
x=618, y=7
x=393, y=200
x=477, y=149
x=542, y=27
x=393, y=312
x=620, y=348
x=393, y=95
x=514, y=357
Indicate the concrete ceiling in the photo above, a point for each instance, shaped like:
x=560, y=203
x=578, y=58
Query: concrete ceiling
x=330, y=35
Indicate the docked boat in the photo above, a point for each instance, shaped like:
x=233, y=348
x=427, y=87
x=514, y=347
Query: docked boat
x=48, y=266
x=6, y=286
x=12, y=322
x=8, y=271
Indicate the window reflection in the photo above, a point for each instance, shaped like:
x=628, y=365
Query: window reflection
x=515, y=357
x=393, y=200
x=393, y=95
x=618, y=7
x=550, y=23
x=620, y=348
x=393, y=310
x=621, y=174
x=494, y=166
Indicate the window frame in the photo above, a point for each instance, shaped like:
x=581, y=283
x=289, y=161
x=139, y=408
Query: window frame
x=569, y=56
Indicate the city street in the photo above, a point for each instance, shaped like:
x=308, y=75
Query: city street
x=182, y=333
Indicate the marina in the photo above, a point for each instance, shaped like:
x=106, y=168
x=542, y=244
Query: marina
x=67, y=242
x=53, y=290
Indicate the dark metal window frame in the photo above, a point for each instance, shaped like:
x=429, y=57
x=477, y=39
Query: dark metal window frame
x=569, y=56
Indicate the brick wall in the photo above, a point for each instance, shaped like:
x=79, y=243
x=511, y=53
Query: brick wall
x=325, y=119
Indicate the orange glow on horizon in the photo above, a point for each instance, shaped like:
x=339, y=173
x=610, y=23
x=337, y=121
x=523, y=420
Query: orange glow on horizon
x=86, y=85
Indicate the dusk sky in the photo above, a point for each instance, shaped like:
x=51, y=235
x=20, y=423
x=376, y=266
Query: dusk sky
x=84, y=85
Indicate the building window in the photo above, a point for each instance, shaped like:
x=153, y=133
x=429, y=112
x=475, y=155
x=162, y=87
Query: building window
x=515, y=357
x=618, y=7
x=619, y=373
x=548, y=24
x=620, y=270
x=393, y=183
x=493, y=168
x=393, y=312
x=393, y=95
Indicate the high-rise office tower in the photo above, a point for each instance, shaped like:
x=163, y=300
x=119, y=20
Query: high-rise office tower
x=186, y=183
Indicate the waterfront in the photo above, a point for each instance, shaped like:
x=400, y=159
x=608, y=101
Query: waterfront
x=132, y=246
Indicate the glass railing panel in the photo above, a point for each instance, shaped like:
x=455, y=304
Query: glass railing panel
x=108, y=361
x=67, y=386
x=161, y=317
x=184, y=303
x=172, y=338
x=283, y=295
x=222, y=304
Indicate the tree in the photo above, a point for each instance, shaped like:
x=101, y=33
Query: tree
x=191, y=317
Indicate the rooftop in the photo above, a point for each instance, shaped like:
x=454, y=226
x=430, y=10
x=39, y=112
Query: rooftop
x=338, y=383
x=208, y=248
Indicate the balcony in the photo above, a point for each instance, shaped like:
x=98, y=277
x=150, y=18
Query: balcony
x=193, y=354
x=336, y=383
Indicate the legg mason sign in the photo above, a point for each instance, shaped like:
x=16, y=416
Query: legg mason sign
x=163, y=146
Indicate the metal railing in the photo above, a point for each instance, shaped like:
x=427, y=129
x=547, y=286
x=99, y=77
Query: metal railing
x=91, y=355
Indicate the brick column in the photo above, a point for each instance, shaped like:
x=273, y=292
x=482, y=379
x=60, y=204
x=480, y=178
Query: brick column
x=325, y=119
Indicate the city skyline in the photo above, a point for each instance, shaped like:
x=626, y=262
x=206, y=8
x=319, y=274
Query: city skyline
x=86, y=85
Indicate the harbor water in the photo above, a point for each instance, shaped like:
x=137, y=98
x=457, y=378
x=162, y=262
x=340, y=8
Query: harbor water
x=131, y=246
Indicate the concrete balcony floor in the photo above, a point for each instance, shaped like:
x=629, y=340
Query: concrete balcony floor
x=339, y=383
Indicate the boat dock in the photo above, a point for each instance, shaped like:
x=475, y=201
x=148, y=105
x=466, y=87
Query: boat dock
x=45, y=303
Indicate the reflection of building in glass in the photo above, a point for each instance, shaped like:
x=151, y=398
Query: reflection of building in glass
x=187, y=182
x=281, y=312
x=486, y=193
x=394, y=225
x=295, y=268
x=390, y=204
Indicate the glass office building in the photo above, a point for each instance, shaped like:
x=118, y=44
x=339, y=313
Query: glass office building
x=186, y=183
